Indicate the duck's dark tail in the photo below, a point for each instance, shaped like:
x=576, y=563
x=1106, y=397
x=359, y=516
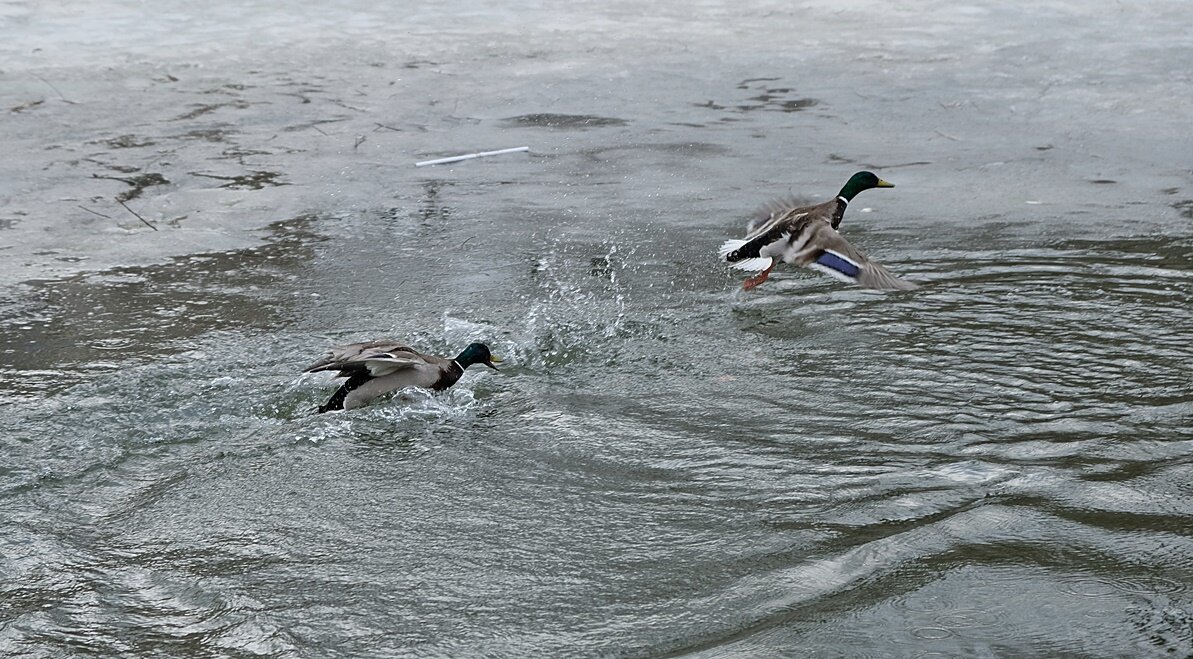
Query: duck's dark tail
x=336, y=402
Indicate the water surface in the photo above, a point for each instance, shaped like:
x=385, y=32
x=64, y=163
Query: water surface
x=996, y=464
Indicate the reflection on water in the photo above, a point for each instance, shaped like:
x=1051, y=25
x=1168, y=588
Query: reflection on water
x=57, y=332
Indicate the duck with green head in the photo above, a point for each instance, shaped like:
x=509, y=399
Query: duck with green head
x=807, y=236
x=376, y=368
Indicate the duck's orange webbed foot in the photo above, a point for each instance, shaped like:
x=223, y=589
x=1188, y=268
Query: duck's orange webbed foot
x=754, y=281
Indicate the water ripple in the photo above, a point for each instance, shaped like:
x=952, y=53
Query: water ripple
x=660, y=467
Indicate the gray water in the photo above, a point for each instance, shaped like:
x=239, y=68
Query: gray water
x=996, y=464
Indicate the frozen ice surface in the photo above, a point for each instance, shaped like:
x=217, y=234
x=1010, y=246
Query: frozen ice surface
x=215, y=119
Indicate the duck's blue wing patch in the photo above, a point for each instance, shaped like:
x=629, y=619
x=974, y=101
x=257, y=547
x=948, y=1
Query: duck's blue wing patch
x=839, y=263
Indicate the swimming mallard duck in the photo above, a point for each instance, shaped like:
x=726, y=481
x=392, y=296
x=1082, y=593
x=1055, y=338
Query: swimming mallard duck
x=807, y=236
x=380, y=367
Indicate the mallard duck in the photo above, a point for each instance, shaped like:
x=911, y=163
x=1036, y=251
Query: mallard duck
x=380, y=367
x=807, y=236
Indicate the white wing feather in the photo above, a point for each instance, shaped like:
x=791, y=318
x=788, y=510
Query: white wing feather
x=728, y=246
x=753, y=265
x=381, y=364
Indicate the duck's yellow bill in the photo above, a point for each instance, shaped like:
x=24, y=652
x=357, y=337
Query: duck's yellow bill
x=885, y=184
x=495, y=359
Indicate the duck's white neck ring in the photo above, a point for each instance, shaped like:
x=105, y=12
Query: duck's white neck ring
x=458, y=365
x=843, y=200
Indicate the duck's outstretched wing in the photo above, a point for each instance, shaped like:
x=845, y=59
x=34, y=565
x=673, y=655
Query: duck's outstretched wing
x=377, y=358
x=749, y=264
x=747, y=254
x=827, y=252
x=775, y=208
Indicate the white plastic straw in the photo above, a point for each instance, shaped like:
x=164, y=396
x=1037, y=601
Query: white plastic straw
x=470, y=156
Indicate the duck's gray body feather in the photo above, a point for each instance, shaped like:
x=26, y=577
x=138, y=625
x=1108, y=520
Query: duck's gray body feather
x=376, y=368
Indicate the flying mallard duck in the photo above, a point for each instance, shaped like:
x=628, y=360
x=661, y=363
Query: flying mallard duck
x=807, y=236
x=380, y=367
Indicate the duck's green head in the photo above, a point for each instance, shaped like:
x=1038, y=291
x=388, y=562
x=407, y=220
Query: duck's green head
x=478, y=353
x=862, y=181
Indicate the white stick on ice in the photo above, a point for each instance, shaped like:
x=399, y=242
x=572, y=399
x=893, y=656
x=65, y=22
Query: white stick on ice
x=470, y=156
